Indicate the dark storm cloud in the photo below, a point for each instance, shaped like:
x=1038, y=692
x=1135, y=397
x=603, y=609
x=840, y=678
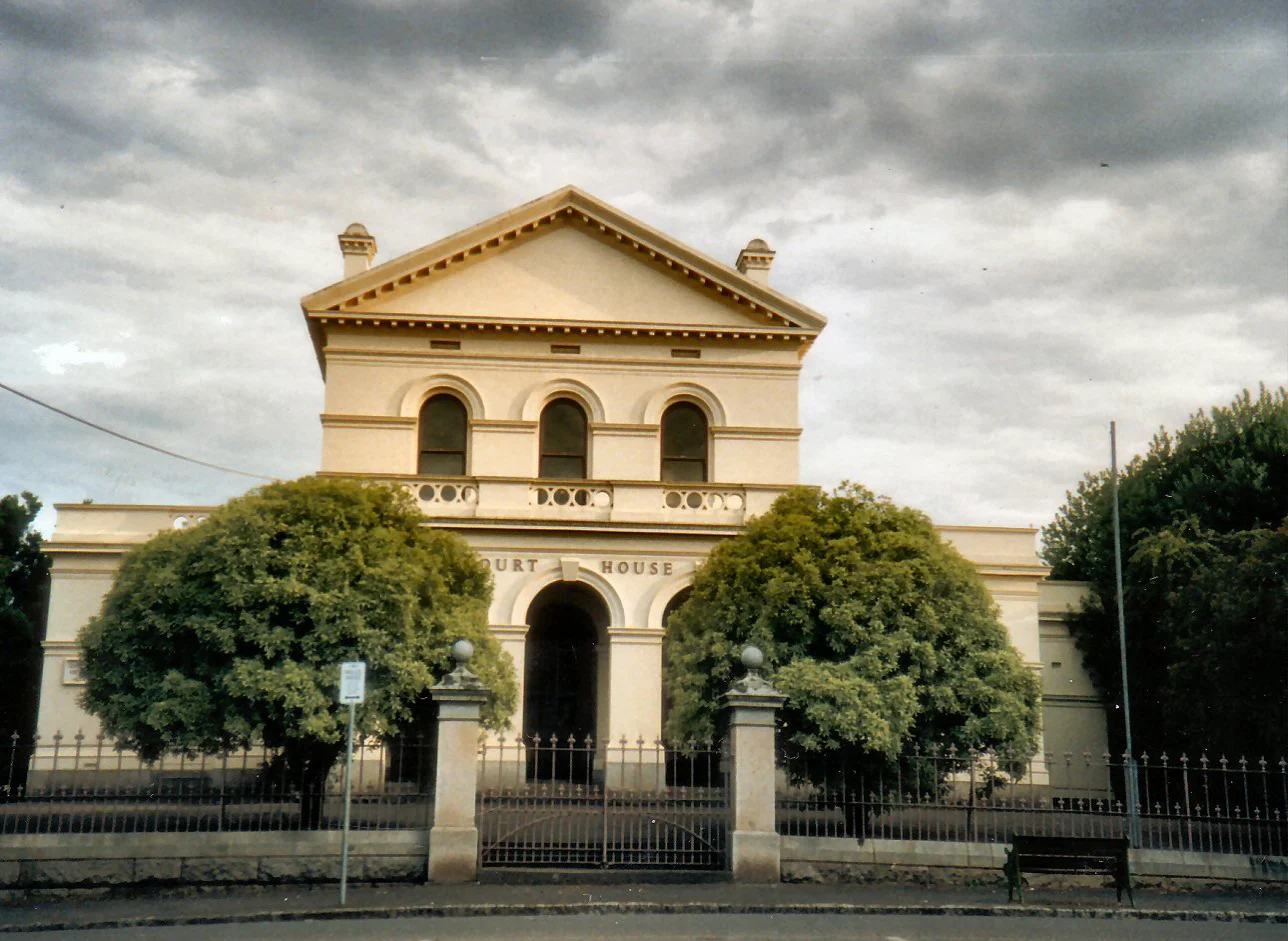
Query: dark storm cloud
x=1012, y=96
x=1003, y=105
x=1009, y=96
x=53, y=29
x=332, y=33
x=364, y=35
x=71, y=98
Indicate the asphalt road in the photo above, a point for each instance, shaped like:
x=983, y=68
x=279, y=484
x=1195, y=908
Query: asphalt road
x=697, y=928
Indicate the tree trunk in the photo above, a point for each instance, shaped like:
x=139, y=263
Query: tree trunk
x=308, y=764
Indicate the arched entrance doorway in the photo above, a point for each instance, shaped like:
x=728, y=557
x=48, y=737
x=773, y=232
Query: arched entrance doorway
x=563, y=669
x=635, y=805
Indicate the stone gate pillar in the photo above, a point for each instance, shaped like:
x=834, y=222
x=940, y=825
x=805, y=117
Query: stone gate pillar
x=753, y=703
x=454, y=837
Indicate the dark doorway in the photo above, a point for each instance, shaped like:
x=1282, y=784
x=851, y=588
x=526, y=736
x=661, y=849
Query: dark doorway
x=561, y=679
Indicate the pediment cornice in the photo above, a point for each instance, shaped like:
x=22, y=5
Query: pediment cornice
x=557, y=327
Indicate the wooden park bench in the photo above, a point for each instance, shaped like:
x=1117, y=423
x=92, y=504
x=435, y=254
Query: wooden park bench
x=1072, y=855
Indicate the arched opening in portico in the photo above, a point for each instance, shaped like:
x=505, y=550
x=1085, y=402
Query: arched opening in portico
x=564, y=672
x=672, y=606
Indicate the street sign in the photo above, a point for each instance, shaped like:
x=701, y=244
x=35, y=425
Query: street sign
x=353, y=682
x=353, y=690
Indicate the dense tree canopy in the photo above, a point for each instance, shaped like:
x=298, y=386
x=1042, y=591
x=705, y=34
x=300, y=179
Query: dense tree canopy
x=232, y=631
x=882, y=636
x=1204, y=521
x=24, y=587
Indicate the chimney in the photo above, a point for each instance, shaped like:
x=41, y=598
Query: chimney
x=754, y=261
x=358, y=247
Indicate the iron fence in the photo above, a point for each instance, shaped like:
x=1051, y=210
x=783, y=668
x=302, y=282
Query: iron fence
x=80, y=785
x=1203, y=805
x=576, y=802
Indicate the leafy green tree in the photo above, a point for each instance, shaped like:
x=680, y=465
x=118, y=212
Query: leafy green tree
x=232, y=631
x=882, y=636
x=24, y=588
x=1204, y=522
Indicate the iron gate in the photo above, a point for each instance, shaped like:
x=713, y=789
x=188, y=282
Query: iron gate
x=603, y=805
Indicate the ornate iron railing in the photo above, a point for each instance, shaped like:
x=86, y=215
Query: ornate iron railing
x=1199, y=805
x=74, y=784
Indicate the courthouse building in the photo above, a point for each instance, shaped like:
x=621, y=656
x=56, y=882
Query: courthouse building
x=592, y=405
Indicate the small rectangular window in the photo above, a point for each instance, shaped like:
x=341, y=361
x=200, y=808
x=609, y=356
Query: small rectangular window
x=567, y=349
x=1056, y=664
x=686, y=354
x=444, y=344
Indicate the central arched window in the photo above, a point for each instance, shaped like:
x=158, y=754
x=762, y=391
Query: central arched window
x=563, y=441
x=444, y=430
x=684, y=444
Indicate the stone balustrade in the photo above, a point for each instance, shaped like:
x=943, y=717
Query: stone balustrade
x=447, y=492
x=571, y=496
x=620, y=501
x=704, y=500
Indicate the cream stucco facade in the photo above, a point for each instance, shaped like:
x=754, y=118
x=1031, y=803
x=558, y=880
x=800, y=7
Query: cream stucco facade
x=564, y=307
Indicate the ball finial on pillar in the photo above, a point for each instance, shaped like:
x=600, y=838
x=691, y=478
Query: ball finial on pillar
x=752, y=659
x=462, y=652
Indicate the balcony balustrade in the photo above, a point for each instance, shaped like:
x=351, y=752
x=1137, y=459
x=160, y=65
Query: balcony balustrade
x=704, y=500
x=455, y=492
x=571, y=496
x=617, y=501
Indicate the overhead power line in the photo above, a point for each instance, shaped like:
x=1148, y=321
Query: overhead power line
x=142, y=444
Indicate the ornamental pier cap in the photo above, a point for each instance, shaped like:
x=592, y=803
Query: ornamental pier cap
x=462, y=677
x=754, y=261
x=358, y=246
x=753, y=689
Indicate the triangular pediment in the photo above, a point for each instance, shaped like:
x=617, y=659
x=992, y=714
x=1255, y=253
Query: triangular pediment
x=564, y=273
x=565, y=257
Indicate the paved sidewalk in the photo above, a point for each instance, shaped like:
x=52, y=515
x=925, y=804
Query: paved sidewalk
x=295, y=903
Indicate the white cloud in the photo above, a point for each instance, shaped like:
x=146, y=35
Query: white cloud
x=56, y=357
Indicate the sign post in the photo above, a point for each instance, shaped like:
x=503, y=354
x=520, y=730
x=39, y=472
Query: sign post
x=353, y=690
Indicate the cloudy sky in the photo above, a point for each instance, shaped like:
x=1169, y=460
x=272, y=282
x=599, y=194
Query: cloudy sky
x=1022, y=219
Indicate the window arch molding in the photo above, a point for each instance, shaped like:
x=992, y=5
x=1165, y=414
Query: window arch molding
x=422, y=390
x=703, y=398
x=579, y=392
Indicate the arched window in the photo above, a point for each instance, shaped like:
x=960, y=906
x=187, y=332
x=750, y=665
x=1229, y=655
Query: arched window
x=563, y=441
x=444, y=430
x=684, y=444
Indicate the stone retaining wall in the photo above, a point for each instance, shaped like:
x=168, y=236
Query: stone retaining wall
x=82, y=860
x=78, y=860
x=836, y=859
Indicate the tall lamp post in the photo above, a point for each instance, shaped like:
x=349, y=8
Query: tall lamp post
x=1130, y=782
